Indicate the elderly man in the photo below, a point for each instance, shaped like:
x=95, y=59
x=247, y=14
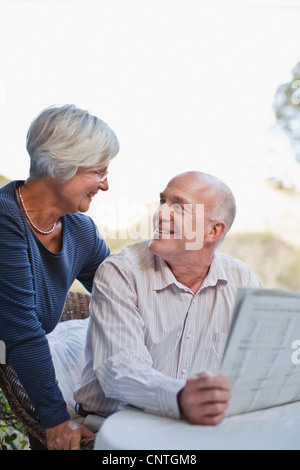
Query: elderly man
x=161, y=311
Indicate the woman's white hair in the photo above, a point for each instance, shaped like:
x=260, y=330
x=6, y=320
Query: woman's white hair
x=63, y=138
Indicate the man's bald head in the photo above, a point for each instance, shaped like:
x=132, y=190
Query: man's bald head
x=223, y=206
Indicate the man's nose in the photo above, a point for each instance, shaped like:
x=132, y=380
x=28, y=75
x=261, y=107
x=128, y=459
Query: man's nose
x=165, y=212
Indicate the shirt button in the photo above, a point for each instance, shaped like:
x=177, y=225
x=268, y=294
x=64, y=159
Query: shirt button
x=183, y=371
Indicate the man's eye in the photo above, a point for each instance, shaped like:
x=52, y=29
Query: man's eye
x=177, y=207
x=161, y=202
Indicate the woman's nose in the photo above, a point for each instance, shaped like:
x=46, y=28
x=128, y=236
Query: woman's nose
x=104, y=186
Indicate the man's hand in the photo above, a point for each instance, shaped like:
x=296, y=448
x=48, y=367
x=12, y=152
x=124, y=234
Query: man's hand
x=204, y=399
x=67, y=436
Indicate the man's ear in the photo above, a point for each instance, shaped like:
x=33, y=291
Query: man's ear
x=216, y=231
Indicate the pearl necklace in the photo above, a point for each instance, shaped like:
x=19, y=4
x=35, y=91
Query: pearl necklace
x=27, y=215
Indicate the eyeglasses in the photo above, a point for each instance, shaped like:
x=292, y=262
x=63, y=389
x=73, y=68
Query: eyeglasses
x=103, y=177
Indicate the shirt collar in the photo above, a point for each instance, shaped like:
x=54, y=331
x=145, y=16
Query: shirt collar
x=216, y=272
x=163, y=276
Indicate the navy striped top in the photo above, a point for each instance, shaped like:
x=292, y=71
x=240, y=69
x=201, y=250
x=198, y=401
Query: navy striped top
x=34, y=283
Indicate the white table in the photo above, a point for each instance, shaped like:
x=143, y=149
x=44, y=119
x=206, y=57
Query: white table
x=273, y=428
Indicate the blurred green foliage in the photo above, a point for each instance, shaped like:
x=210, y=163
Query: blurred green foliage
x=12, y=433
x=275, y=262
x=287, y=109
x=3, y=180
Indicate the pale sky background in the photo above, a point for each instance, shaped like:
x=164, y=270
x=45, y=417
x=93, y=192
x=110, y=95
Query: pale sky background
x=184, y=84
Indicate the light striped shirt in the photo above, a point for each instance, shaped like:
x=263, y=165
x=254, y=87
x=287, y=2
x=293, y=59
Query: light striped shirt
x=148, y=332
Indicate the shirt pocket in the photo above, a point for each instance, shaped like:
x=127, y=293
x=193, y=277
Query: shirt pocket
x=217, y=347
x=219, y=342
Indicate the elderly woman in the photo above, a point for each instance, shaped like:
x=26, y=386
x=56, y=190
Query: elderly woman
x=45, y=244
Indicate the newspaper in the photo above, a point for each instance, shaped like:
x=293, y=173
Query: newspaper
x=261, y=357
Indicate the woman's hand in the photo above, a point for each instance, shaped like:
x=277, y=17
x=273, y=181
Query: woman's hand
x=204, y=399
x=67, y=436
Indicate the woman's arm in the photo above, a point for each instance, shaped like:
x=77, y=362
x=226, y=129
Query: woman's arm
x=26, y=344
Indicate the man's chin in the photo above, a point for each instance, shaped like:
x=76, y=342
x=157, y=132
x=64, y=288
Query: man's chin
x=158, y=245
x=153, y=245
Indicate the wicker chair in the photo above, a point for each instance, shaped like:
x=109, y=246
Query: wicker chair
x=76, y=306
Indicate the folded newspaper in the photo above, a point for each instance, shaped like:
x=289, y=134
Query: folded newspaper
x=262, y=353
